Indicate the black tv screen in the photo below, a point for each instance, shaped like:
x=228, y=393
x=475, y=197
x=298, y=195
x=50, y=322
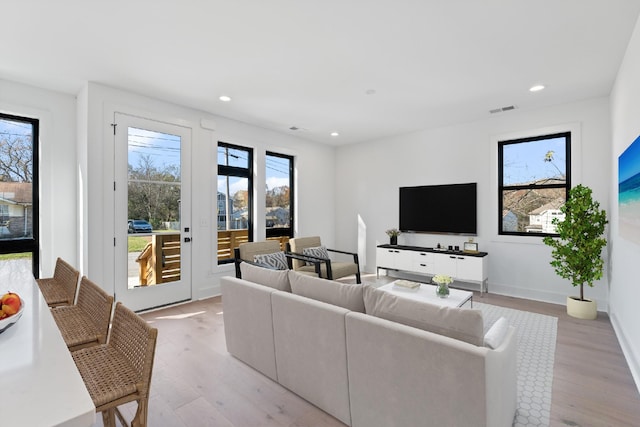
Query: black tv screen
x=448, y=209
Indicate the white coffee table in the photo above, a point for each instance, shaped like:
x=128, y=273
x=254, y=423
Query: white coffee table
x=427, y=293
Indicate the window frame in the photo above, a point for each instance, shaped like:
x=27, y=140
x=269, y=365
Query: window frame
x=501, y=188
x=283, y=231
x=27, y=244
x=239, y=172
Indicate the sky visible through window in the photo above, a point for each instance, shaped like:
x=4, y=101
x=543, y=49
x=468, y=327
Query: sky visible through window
x=277, y=170
x=524, y=162
x=11, y=128
x=161, y=148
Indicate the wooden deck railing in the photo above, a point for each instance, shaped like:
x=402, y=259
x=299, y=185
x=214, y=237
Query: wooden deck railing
x=160, y=259
x=230, y=239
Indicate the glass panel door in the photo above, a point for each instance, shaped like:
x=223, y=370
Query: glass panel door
x=152, y=213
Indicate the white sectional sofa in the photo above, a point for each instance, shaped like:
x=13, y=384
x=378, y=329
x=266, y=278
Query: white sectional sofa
x=370, y=358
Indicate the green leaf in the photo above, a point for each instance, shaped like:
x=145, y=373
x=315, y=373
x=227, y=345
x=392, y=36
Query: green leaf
x=577, y=251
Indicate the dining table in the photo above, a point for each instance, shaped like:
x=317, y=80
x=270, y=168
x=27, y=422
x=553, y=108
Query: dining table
x=39, y=382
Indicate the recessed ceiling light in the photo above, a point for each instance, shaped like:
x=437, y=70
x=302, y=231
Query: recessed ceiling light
x=536, y=88
x=225, y=98
x=335, y=134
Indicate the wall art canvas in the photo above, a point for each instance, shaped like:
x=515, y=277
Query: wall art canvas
x=629, y=193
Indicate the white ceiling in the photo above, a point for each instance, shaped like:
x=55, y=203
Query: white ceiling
x=310, y=63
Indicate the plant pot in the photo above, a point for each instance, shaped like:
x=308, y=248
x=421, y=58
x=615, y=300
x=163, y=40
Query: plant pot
x=393, y=240
x=586, y=309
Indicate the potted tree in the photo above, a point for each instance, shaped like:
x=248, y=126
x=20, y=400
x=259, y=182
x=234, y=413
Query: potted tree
x=577, y=251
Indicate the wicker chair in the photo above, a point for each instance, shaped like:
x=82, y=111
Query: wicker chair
x=120, y=371
x=332, y=269
x=61, y=288
x=87, y=323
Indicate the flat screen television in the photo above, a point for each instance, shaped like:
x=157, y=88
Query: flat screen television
x=446, y=209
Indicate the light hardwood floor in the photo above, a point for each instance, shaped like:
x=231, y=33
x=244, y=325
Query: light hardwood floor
x=197, y=383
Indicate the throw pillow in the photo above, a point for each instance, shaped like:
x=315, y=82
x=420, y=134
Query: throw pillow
x=275, y=260
x=495, y=335
x=336, y=293
x=277, y=279
x=459, y=323
x=316, y=252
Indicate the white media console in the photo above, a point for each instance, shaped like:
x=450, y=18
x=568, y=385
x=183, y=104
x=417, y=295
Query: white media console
x=462, y=266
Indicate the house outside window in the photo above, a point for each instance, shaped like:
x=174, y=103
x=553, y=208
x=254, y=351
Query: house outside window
x=234, y=199
x=533, y=183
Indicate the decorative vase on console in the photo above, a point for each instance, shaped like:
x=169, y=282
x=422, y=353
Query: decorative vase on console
x=393, y=234
x=442, y=282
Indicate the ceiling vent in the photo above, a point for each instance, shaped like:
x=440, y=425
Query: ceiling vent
x=503, y=109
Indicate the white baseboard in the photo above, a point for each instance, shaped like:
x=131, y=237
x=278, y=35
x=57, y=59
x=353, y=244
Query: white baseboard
x=538, y=295
x=632, y=360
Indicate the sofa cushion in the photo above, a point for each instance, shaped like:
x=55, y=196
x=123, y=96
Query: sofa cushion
x=311, y=351
x=495, y=335
x=276, y=260
x=277, y=279
x=459, y=323
x=336, y=293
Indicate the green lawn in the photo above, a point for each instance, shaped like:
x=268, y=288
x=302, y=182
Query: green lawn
x=137, y=243
x=6, y=257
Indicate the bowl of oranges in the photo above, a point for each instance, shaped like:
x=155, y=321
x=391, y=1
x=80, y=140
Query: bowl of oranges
x=11, y=308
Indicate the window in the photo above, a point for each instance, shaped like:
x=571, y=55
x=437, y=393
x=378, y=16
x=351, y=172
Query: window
x=19, y=188
x=234, y=199
x=533, y=183
x=279, y=196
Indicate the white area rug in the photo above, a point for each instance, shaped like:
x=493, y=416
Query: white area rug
x=536, y=351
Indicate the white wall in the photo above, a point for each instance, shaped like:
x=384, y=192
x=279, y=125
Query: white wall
x=368, y=176
x=58, y=167
x=625, y=269
x=314, y=184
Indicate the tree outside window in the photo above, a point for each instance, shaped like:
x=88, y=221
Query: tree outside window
x=534, y=181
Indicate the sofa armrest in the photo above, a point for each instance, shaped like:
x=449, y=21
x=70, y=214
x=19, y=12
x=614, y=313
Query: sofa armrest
x=502, y=381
